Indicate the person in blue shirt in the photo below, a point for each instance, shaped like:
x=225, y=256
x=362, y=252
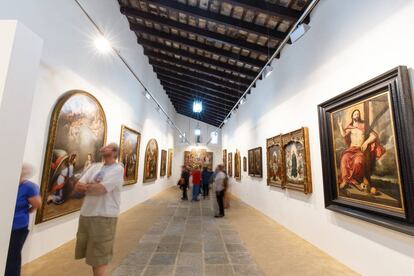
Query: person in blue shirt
x=205, y=176
x=28, y=200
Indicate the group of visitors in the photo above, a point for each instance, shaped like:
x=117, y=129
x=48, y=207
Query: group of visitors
x=101, y=184
x=206, y=177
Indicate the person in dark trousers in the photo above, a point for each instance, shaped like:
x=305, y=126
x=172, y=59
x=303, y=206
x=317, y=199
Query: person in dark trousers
x=220, y=185
x=196, y=177
x=28, y=200
x=205, y=179
x=185, y=182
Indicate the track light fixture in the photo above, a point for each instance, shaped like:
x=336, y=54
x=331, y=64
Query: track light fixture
x=243, y=100
x=267, y=71
x=299, y=32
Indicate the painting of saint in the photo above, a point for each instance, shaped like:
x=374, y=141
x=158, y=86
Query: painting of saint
x=230, y=164
x=129, y=154
x=163, y=167
x=151, y=161
x=77, y=132
x=365, y=154
x=297, y=173
x=225, y=159
x=237, y=165
x=170, y=160
x=255, y=162
x=275, y=161
x=198, y=157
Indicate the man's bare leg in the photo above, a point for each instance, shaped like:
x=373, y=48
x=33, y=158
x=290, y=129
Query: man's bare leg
x=99, y=270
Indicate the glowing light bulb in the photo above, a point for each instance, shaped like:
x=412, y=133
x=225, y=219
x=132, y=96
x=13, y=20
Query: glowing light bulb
x=102, y=44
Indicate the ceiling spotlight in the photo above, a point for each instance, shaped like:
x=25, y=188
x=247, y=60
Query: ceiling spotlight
x=102, y=44
x=225, y=121
x=267, y=71
x=243, y=100
x=197, y=106
x=147, y=95
x=299, y=32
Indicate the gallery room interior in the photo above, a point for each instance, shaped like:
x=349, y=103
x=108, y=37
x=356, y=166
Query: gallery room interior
x=254, y=137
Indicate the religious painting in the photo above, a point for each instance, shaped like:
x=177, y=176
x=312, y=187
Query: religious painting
x=366, y=143
x=297, y=167
x=129, y=154
x=237, y=165
x=230, y=164
x=255, y=162
x=275, y=161
x=151, y=161
x=225, y=159
x=170, y=160
x=198, y=157
x=244, y=164
x=77, y=132
x=163, y=166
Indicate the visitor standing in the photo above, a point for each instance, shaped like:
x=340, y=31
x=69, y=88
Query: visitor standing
x=28, y=200
x=184, y=182
x=102, y=185
x=220, y=185
x=205, y=177
x=196, y=179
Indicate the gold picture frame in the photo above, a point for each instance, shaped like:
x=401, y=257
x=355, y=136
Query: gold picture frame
x=129, y=153
x=170, y=160
x=151, y=161
x=237, y=165
x=275, y=161
x=230, y=164
x=67, y=121
x=225, y=159
x=163, y=165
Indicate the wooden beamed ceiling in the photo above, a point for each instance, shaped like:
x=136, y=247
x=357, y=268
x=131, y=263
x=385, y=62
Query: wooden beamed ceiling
x=209, y=50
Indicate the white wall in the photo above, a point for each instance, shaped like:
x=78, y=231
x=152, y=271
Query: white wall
x=69, y=61
x=188, y=125
x=349, y=43
x=18, y=75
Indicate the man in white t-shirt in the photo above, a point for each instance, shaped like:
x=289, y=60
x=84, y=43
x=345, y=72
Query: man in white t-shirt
x=220, y=186
x=101, y=185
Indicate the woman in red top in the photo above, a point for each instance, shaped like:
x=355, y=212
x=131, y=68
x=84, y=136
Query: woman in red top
x=196, y=178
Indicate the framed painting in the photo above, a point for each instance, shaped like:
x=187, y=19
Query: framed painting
x=151, y=161
x=198, y=157
x=230, y=164
x=275, y=161
x=163, y=166
x=77, y=131
x=170, y=160
x=255, y=162
x=367, y=135
x=244, y=164
x=297, y=167
x=129, y=154
x=237, y=165
x=225, y=159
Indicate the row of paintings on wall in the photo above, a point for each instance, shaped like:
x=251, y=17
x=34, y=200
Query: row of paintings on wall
x=78, y=130
x=367, y=156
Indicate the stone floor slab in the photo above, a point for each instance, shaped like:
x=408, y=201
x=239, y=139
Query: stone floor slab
x=219, y=270
x=163, y=259
x=216, y=258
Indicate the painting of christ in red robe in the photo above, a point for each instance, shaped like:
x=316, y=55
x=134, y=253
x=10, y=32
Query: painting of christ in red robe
x=366, y=156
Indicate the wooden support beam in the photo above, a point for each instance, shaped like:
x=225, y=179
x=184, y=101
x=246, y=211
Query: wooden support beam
x=216, y=100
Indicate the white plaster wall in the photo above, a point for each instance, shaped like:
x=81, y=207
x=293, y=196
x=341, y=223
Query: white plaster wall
x=69, y=61
x=188, y=125
x=349, y=43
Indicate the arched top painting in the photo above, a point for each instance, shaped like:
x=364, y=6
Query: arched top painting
x=76, y=133
x=151, y=161
x=237, y=165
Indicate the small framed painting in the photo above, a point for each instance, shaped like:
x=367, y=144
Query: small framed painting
x=225, y=159
x=151, y=161
x=255, y=162
x=170, y=160
x=275, y=161
x=237, y=165
x=230, y=164
x=129, y=154
x=245, y=164
x=163, y=166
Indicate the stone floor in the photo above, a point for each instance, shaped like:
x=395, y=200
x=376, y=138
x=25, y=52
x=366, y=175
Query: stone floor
x=188, y=240
x=164, y=236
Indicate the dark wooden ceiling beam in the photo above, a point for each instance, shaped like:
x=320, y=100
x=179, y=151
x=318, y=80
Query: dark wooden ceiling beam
x=165, y=58
x=196, y=81
x=267, y=8
x=197, y=75
x=205, y=33
x=191, y=98
x=176, y=87
x=216, y=100
x=149, y=45
x=195, y=44
x=219, y=19
x=192, y=85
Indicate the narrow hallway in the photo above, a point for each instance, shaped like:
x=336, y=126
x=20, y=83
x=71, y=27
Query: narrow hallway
x=167, y=236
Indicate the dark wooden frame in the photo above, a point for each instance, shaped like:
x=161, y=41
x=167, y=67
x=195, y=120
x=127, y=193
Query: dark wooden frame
x=245, y=164
x=397, y=82
x=260, y=172
x=270, y=142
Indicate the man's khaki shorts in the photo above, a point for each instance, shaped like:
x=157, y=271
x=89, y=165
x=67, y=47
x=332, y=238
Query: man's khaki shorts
x=95, y=239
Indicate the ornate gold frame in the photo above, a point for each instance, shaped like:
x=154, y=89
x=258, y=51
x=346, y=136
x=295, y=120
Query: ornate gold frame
x=145, y=162
x=302, y=136
x=121, y=149
x=237, y=158
x=51, y=141
x=230, y=164
x=169, y=163
x=224, y=157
